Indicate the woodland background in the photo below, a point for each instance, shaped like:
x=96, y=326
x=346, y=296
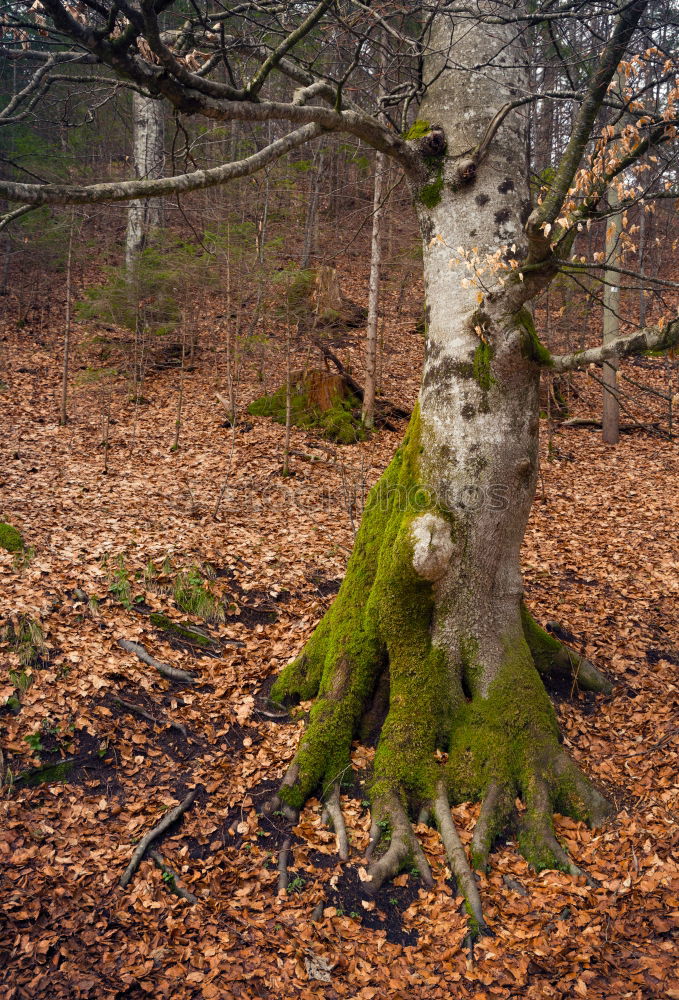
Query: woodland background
x=162, y=496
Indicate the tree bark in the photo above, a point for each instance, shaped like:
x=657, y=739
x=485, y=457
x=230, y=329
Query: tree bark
x=431, y=604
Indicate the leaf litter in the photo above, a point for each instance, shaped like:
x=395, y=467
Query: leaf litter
x=600, y=558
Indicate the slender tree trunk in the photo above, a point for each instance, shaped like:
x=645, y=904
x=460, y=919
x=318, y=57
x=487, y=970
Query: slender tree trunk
x=374, y=293
x=428, y=641
x=611, y=407
x=312, y=211
x=63, y=410
x=642, y=264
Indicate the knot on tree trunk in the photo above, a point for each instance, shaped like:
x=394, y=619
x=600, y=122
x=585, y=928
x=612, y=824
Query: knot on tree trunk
x=432, y=546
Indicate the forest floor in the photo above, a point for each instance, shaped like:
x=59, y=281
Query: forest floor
x=600, y=557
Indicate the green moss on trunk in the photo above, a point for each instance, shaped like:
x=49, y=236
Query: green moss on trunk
x=430, y=193
x=383, y=610
x=533, y=347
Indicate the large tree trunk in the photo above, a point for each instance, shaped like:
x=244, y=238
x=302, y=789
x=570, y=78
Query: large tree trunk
x=148, y=154
x=429, y=623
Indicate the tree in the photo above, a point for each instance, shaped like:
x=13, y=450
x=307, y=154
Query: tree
x=148, y=153
x=429, y=639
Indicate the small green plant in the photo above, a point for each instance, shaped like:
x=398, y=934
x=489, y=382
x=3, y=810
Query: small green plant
x=296, y=885
x=168, y=878
x=21, y=680
x=393, y=902
x=120, y=585
x=34, y=741
x=25, y=637
x=23, y=558
x=193, y=595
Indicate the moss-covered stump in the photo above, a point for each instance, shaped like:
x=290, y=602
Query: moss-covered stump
x=319, y=401
x=445, y=736
x=10, y=538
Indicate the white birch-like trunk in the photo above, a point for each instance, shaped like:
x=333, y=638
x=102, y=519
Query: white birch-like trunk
x=611, y=407
x=374, y=292
x=148, y=157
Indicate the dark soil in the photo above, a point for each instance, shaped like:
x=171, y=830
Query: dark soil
x=77, y=758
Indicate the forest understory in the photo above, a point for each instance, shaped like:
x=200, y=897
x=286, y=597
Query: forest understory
x=99, y=745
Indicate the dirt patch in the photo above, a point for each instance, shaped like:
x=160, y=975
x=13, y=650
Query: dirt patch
x=77, y=758
x=390, y=902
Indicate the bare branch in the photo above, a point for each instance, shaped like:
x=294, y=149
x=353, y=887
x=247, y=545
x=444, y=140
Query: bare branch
x=66, y=194
x=16, y=214
x=303, y=29
x=651, y=338
x=582, y=130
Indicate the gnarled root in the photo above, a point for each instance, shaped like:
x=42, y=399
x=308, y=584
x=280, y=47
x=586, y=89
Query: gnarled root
x=457, y=859
x=444, y=674
x=403, y=844
x=334, y=813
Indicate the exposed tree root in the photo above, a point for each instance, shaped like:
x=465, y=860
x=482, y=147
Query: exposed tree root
x=283, y=855
x=335, y=814
x=172, y=673
x=142, y=713
x=457, y=858
x=403, y=846
x=497, y=810
x=551, y=656
x=170, y=879
x=168, y=819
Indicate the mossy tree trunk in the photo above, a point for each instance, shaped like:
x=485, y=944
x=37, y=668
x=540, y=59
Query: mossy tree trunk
x=431, y=606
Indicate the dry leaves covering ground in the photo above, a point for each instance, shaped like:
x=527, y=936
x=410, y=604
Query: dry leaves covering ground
x=600, y=557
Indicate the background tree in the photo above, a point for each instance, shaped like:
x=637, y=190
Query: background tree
x=431, y=606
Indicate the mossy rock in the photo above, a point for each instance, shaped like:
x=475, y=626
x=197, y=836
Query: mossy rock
x=10, y=538
x=335, y=414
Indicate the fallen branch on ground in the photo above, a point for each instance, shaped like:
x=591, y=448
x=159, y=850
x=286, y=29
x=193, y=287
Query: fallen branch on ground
x=172, y=673
x=593, y=422
x=168, y=819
